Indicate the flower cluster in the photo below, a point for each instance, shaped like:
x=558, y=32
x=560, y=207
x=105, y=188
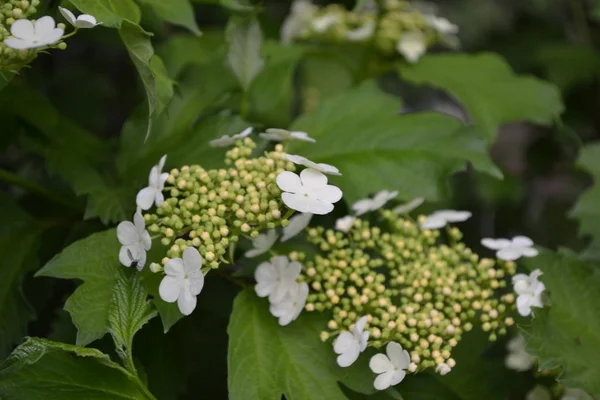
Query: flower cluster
x=22, y=39
x=397, y=28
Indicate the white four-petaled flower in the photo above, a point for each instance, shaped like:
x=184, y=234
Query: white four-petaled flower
x=33, y=34
x=297, y=224
x=279, y=135
x=156, y=183
x=412, y=46
x=227, y=140
x=350, y=344
x=441, y=218
x=344, y=224
x=135, y=241
x=276, y=278
x=292, y=304
x=518, y=358
x=83, y=21
x=309, y=192
x=529, y=290
x=379, y=200
x=391, y=368
x=262, y=244
x=510, y=250
x=324, y=168
x=410, y=206
x=183, y=281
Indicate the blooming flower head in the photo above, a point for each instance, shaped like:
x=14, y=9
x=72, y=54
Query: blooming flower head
x=350, y=344
x=280, y=135
x=33, y=34
x=324, y=168
x=379, y=200
x=262, y=244
x=135, y=241
x=410, y=206
x=529, y=290
x=297, y=224
x=412, y=46
x=441, y=218
x=511, y=249
x=276, y=278
x=309, y=192
x=84, y=21
x=227, y=140
x=183, y=281
x=517, y=358
x=361, y=33
x=292, y=304
x=391, y=367
x=344, y=224
x=156, y=183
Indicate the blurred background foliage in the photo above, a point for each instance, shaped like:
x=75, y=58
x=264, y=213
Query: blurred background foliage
x=73, y=155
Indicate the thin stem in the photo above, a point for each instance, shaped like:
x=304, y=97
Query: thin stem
x=33, y=187
x=70, y=34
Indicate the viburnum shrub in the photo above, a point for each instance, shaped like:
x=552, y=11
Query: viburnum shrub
x=274, y=219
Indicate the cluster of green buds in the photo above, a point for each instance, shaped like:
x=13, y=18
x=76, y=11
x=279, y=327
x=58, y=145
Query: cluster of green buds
x=10, y=11
x=390, y=26
x=210, y=209
x=421, y=288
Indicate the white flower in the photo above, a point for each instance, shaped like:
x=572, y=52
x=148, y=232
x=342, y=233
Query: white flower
x=441, y=218
x=227, y=140
x=279, y=135
x=529, y=290
x=276, y=278
x=324, y=168
x=183, y=281
x=344, y=224
x=412, y=46
x=322, y=23
x=156, y=184
x=391, y=368
x=33, y=34
x=297, y=224
x=361, y=33
x=135, y=241
x=298, y=21
x=309, y=192
x=442, y=25
x=350, y=344
x=290, y=307
x=518, y=358
x=443, y=369
x=365, y=205
x=575, y=394
x=410, y=206
x=510, y=250
x=539, y=392
x=262, y=244
x=84, y=21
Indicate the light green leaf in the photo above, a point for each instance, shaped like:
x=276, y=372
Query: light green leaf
x=566, y=333
x=110, y=12
x=129, y=312
x=489, y=89
x=266, y=361
x=360, y=132
x=42, y=369
x=95, y=261
x=19, y=234
x=177, y=12
x=245, y=42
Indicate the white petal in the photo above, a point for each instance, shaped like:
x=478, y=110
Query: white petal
x=379, y=364
x=509, y=254
x=410, y=206
x=223, y=141
x=495, y=244
x=529, y=252
x=361, y=33
x=186, y=302
x=304, y=204
x=245, y=133
x=296, y=225
x=254, y=253
x=362, y=206
x=44, y=26
x=328, y=194
x=169, y=289
x=52, y=37
x=19, y=44
x=302, y=136
x=264, y=289
x=345, y=224
x=398, y=377
x=145, y=198
x=519, y=362
x=384, y=380
x=521, y=287
x=124, y=256
x=159, y=198
x=522, y=241
x=344, y=342
x=455, y=216
x=348, y=358
x=292, y=271
x=412, y=46
x=397, y=355
x=67, y=14
x=86, y=21
x=289, y=182
x=433, y=222
x=313, y=179
x=140, y=224
x=196, y=281
x=523, y=305
x=360, y=325
x=192, y=261
x=161, y=163
x=174, y=267
x=23, y=29
x=127, y=233
x=146, y=240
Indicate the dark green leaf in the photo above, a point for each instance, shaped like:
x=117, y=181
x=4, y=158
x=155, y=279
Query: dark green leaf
x=177, y=12
x=110, y=12
x=181, y=50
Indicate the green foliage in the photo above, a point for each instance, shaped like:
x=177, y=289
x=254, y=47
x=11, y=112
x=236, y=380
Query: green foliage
x=489, y=90
x=94, y=260
x=566, y=333
x=178, y=12
x=111, y=13
x=42, y=369
x=361, y=133
x=245, y=42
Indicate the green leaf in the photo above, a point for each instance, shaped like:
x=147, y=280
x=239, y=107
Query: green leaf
x=568, y=65
x=129, y=312
x=489, y=89
x=566, y=333
x=95, y=261
x=42, y=369
x=111, y=13
x=19, y=234
x=360, y=132
x=177, y=12
x=245, y=42
x=181, y=50
x=266, y=361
